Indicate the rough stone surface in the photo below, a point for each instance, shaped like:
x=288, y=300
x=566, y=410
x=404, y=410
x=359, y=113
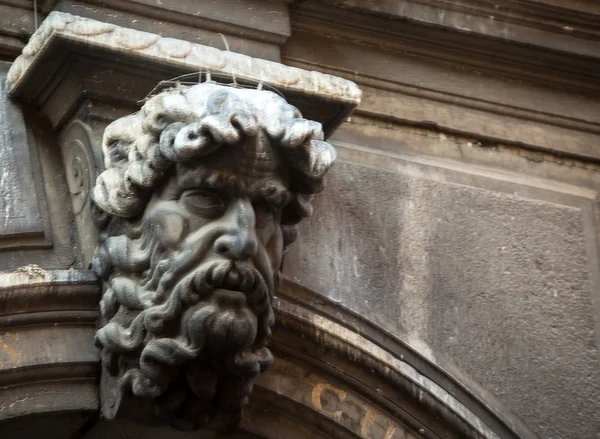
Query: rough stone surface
x=48, y=364
x=32, y=231
x=253, y=27
x=499, y=283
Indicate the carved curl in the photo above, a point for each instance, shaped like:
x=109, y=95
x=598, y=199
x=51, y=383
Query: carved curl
x=139, y=148
x=165, y=337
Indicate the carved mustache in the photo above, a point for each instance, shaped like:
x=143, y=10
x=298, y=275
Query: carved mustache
x=189, y=291
x=229, y=275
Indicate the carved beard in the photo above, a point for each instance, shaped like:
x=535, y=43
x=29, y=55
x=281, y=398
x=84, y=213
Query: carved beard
x=192, y=337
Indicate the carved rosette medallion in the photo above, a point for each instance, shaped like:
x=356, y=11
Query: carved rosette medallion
x=202, y=193
x=80, y=169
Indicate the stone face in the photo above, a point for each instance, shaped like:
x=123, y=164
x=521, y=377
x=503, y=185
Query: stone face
x=202, y=192
x=501, y=283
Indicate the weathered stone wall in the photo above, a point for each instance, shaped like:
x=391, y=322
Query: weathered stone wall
x=501, y=283
x=464, y=211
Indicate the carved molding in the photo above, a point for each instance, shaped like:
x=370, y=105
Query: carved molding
x=202, y=194
x=24, y=221
x=547, y=25
x=71, y=65
x=258, y=20
x=194, y=56
x=47, y=362
x=523, y=40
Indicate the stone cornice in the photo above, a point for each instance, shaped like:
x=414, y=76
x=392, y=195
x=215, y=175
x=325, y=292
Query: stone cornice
x=551, y=24
x=32, y=295
x=253, y=27
x=519, y=39
x=72, y=59
x=195, y=57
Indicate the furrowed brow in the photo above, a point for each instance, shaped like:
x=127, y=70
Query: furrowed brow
x=203, y=177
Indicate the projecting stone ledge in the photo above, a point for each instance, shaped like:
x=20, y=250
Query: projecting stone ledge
x=71, y=57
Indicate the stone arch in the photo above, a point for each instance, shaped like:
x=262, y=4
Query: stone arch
x=349, y=378
x=336, y=375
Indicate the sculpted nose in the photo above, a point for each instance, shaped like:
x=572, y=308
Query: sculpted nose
x=239, y=240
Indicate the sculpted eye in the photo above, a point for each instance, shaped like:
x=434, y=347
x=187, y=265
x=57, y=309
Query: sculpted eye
x=203, y=202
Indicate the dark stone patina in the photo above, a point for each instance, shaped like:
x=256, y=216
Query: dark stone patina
x=202, y=192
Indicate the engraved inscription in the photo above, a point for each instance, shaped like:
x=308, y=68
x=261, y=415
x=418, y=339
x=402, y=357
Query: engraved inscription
x=363, y=419
x=10, y=355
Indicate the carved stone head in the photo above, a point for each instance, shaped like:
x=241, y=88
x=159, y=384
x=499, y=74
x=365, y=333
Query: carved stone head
x=202, y=192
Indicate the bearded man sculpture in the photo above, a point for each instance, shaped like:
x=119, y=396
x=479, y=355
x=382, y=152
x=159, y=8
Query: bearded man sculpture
x=202, y=192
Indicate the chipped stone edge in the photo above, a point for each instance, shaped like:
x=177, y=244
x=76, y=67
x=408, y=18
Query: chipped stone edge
x=182, y=53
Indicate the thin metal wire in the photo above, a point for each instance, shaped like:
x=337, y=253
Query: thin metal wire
x=224, y=41
x=190, y=79
x=178, y=81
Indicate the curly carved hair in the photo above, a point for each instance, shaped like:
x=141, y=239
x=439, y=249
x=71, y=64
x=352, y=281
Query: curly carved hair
x=184, y=123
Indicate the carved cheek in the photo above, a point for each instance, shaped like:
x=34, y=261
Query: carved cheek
x=274, y=248
x=267, y=224
x=277, y=263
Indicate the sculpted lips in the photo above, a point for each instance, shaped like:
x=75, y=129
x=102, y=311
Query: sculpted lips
x=233, y=283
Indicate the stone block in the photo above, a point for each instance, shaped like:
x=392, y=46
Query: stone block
x=500, y=276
